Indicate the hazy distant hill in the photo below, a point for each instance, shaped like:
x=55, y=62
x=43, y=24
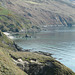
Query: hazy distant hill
x=70, y=1
x=43, y=12
x=24, y=14
x=9, y=21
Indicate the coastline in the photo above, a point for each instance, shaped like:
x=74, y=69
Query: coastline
x=30, y=50
x=8, y=35
x=36, y=63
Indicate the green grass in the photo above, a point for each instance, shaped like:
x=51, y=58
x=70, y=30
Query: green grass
x=7, y=66
x=4, y=11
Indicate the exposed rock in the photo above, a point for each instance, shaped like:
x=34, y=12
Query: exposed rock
x=20, y=60
x=26, y=65
x=0, y=33
x=34, y=62
x=28, y=36
x=21, y=65
x=27, y=50
x=34, y=67
x=43, y=53
x=17, y=47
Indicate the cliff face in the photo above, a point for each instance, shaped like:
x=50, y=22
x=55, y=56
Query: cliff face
x=43, y=12
x=39, y=64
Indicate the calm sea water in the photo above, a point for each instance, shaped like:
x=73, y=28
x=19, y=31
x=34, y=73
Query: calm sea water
x=60, y=41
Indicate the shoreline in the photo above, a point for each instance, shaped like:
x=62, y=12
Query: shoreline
x=8, y=35
x=59, y=58
x=29, y=50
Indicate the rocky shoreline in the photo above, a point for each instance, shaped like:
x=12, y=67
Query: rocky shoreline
x=38, y=63
x=30, y=50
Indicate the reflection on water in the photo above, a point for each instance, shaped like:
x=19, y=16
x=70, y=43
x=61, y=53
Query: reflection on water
x=60, y=41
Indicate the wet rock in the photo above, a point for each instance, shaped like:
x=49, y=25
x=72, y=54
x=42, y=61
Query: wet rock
x=44, y=53
x=27, y=50
x=60, y=58
x=28, y=36
x=17, y=47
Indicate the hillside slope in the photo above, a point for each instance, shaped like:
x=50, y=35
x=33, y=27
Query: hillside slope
x=43, y=12
x=7, y=66
x=10, y=21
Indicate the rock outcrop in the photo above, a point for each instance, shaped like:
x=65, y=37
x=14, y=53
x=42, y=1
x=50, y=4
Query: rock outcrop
x=40, y=64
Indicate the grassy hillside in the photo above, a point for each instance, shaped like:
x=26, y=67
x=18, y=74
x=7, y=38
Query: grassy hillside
x=44, y=12
x=7, y=66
